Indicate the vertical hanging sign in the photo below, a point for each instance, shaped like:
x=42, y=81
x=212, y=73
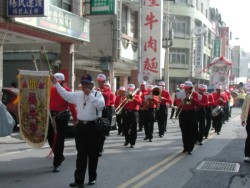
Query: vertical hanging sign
x=151, y=32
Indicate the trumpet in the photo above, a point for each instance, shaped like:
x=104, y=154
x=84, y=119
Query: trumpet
x=129, y=97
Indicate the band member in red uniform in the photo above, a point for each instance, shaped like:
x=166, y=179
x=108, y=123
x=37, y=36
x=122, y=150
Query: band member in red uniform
x=201, y=113
x=59, y=111
x=110, y=102
x=119, y=101
x=151, y=102
x=143, y=91
x=219, y=100
x=101, y=79
x=208, y=113
x=131, y=116
x=176, y=103
x=162, y=112
x=188, y=118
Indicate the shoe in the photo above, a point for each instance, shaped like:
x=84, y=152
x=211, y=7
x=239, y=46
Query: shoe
x=190, y=153
x=218, y=133
x=126, y=143
x=160, y=136
x=247, y=159
x=56, y=169
x=184, y=151
x=100, y=154
x=132, y=146
x=145, y=138
x=74, y=184
x=150, y=140
x=199, y=143
x=63, y=158
x=91, y=182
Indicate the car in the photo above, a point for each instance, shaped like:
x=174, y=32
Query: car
x=10, y=100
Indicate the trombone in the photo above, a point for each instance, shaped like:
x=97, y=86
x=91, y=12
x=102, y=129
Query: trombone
x=129, y=97
x=185, y=101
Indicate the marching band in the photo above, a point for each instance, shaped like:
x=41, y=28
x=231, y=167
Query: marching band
x=195, y=110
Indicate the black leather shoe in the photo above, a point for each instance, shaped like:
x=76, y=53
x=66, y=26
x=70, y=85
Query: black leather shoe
x=190, y=153
x=74, y=184
x=132, y=146
x=150, y=140
x=91, y=182
x=126, y=143
x=56, y=169
x=145, y=138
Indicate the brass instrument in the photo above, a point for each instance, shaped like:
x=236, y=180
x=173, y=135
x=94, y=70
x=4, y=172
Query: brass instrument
x=129, y=97
x=157, y=92
x=185, y=101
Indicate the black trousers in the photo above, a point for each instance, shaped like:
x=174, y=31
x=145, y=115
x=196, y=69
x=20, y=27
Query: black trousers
x=119, y=121
x=87, y=146
x=130, y=125
x=140, y=122
x=105, y=114
x=149, y=122
x=208, y=121
x=217, y=122
x=189, y=128
x=61, y=125
x=247, y=143
x=201, y=114
x=162, y=116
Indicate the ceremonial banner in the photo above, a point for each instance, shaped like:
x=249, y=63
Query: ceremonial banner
x=34, y=97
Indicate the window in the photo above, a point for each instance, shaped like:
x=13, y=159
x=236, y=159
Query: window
x=201, y=7
x=66, y=5
x=178, y=58
x=124, y=19
x=86, y=7
x=134, y=24
x=181, y=26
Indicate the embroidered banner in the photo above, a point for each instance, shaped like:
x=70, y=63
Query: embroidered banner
x=34, y=97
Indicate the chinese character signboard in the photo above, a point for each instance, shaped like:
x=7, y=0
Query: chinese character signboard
x=102, y=6
x=151, y=32
x=61, y=22
x=224, y=35
x=27, y=8
x=199, y=55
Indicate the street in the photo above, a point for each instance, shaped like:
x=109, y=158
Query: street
x=156, y=164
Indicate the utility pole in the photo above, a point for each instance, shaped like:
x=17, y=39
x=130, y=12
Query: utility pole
x=166, y=43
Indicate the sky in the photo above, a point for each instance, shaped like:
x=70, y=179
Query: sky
x=236, y=15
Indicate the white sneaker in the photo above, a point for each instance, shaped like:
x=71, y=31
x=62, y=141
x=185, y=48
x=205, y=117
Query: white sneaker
x=247, y=159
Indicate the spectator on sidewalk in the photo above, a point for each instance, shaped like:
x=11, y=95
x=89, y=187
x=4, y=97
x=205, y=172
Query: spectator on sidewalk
x=245, y=121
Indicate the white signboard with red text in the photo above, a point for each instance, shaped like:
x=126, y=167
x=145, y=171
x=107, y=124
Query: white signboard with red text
x=151, y=33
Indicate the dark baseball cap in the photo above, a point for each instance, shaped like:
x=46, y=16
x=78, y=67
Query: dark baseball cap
x=86, y=79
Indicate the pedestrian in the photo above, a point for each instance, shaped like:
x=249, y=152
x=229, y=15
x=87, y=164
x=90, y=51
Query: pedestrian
x=241, y=97
x=201, y=112
x=188, y=118
x=131, y=116
x=106, y=112
x=245, y=121
x=6, y=121
x=60, y=115
x=162, y=111
x=119, y=103
x=208, y=113
x=89, y=104
x=149, y=117
x=219, y=103
x=142, y=110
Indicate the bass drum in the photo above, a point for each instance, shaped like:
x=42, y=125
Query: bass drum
x=216, y=111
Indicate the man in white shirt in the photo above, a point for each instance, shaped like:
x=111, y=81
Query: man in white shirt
x=89, y=104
